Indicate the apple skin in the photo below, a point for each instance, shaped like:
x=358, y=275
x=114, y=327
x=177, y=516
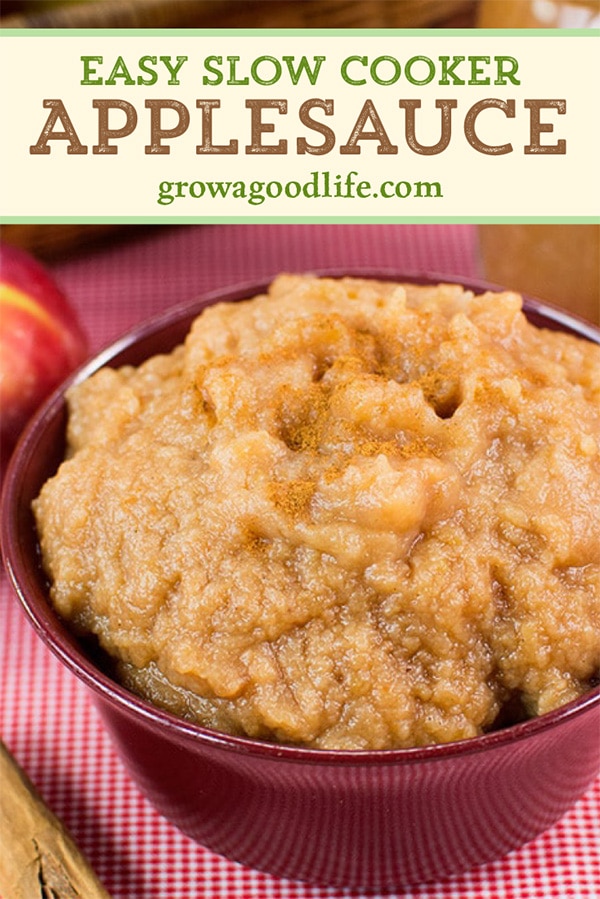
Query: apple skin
x=41, y=341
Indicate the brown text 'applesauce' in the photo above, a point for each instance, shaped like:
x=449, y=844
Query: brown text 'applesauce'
x=346, y=514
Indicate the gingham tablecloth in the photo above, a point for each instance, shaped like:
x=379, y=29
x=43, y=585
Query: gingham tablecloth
x=46, y=716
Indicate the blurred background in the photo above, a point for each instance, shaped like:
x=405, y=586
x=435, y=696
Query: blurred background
x=558, y=263
x=239, y=13
x=300, y=13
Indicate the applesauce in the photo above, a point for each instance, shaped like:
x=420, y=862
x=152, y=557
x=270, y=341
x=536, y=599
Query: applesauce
x=344, y=514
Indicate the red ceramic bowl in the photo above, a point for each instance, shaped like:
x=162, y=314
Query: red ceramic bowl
x=378, y=820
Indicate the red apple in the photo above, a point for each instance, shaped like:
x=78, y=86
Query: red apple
x=41, y=341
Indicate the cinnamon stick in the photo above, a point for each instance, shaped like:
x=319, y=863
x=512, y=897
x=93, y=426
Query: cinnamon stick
x=38, y=857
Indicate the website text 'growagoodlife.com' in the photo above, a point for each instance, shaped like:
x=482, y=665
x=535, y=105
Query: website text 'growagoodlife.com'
x=320, y=185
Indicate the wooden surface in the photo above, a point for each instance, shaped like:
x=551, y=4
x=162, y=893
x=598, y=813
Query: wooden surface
x=59, y=241
x=38, y=858
x=241, y=14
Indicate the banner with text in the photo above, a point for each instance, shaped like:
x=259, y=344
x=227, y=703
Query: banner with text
x=232, y=125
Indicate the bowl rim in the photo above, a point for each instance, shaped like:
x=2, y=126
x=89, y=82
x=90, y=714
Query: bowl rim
x=65, y=646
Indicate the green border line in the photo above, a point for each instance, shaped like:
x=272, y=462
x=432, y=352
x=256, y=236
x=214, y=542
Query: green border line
x=299, y=220
x=300, y=32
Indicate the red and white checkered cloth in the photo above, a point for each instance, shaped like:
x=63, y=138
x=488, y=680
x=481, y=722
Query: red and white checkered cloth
x=46, y=716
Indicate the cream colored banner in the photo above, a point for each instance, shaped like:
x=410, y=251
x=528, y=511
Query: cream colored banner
x=346, y=125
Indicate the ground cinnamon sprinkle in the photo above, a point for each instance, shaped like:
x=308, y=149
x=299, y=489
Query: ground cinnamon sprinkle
x=293, y=497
